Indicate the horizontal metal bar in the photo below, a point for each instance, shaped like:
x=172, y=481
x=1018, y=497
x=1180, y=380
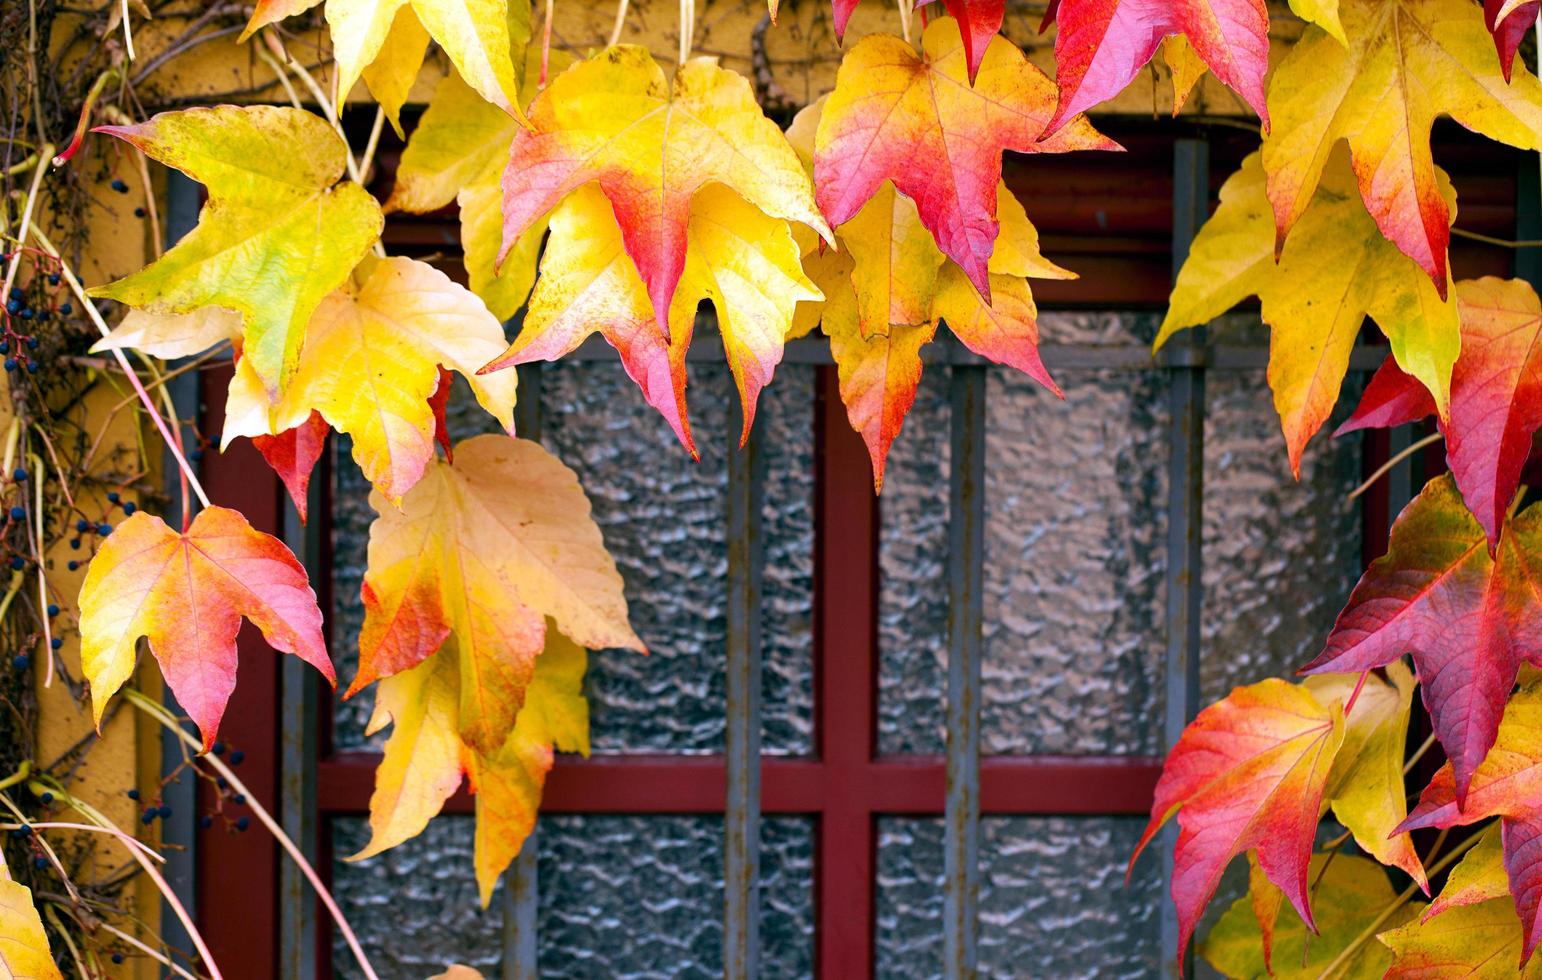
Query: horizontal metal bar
x=708, y=349
x=696, y=784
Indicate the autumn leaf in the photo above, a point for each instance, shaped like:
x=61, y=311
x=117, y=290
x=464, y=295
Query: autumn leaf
x=426, y=755
x=457, y=153
x=371, y=362
x=273, y=180
x=1508, y=784
x=482, y=552
x=1479, y=877
x=1405, y=63
x=978, y=22
x=187, y=593
x=651, y=146
x=293, y=454
x=1101, y=45
x=1496, y=396
x=1248, y=773
x=1334, y=271
x=1509, y=21
x=478, y=35
x=172, y=335
x=1474, y=942
x=1186, y=67
x=914, y=121
x=1348, y=895
x=1469, y=620
x=1365, y=788
x=24, y=951
x=744, y=262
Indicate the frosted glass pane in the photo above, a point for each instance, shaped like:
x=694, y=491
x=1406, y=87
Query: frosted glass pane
x=913, y=564
x=1280, y=557
x=415, y=907
x=1053, y=902
x=664, y=519
x=642, y=897
x=1076, y=496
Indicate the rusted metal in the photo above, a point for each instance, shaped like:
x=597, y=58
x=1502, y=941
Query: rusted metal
x=1185, y=488
x=966, y=553
x=741, y=810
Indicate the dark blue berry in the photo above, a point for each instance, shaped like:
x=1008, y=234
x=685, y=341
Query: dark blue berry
x=218, y=748
x=112, y=496
x=5, y=346
x=205, y=821
x=18, y=293
x=10, y=363
x=18, y=563
x=39, y=861
x=21, y=661
x=19, y=473
x=119, y=186
x=66, y=309
x=243, y=823
x=164, y=811
x=18, y=513
x=13, y=306
x=239, y=799
x=149, y=817
x=104, y=528
x=195, y=455
x=221, y=782
x=25, y=830
x=31, y=366
x=75, y=543
x=133, y=794
x=26, y=313
x=130, y=507
x=47, y=798
x=33, y=342
x=117, y=957
x=53, y=610
x=72, y=565
x=236, y=757
x=139, y=212
x=55, y=643
x=53, y=278
x=82, y=526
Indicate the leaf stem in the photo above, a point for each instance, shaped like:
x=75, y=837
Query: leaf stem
x=615, y=32
x=1491, y=240
x=27, y=209
x=1413, y=760
x=160, y=714
x=1386, y=467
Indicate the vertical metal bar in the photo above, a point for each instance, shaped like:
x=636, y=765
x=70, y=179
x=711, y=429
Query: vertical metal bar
x=741, y=813
x=521, y=883
x=1185, y=489
x=178, y=830
x=966, y=550
x=298, y=754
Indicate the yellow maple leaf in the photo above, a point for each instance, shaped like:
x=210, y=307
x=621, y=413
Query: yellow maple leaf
x=1397, y=66
x=370, y=363
x=273, y=179
x=745, y=263
x=426, y=756
x=1334, y=271
x=482, y=552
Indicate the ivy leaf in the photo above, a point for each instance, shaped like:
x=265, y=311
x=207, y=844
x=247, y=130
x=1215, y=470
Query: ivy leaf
x=1348, y=896
x=24, y=951
x=1101, y=45
x=1508, y=785
x=172, y=335
x=1496, y=396
x=1479, y=877
x=1334, y=271
x=293, y=454
x=1478, y=942
x=476, y=34
x=744, y=262
x=651, y=146
x=1405, y=62
x=1186, y=67
x=914, y=120
x=371, y=363
x=187, y=594
x=1509, y=21
x=1467, y=619
x=456, y=153
x=978, y=22
x=426, y=756
x=1365, y=787
x=482, y=552
x=272, y=176
x=1248, y=773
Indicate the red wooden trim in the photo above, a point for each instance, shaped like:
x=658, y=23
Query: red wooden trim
x=845, y=685
x=694, y=784
x=245, y=944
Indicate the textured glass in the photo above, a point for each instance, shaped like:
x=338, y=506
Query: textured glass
x=913, y=563
x=415, y=907
x=1280, y=557
x=642, y=897
x=664, y=520
x=1074, y=558
x=1053, y=902
x=351, y=518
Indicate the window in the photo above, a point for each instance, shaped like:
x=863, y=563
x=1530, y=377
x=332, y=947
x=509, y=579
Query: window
x=1028, y=556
